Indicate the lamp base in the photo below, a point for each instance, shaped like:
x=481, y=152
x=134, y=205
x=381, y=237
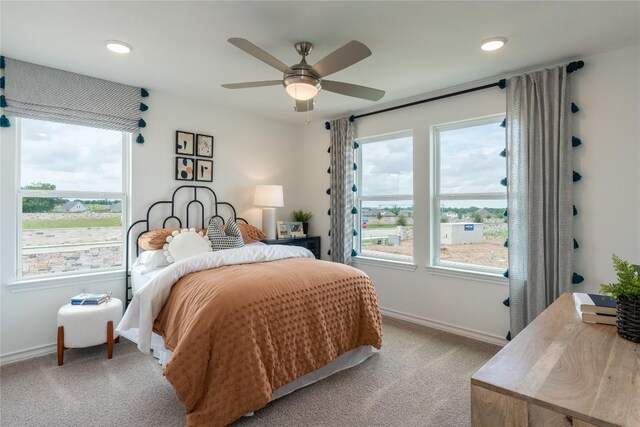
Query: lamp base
x=269, y=222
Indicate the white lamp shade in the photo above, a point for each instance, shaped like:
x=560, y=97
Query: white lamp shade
x=269, y=196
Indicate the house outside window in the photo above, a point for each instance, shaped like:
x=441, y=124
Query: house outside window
x=468, y=200
x=385, y=196
x=71, y=199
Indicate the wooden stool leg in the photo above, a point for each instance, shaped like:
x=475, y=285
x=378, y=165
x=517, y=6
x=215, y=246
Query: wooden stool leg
x=109, y=339
x=60, y=345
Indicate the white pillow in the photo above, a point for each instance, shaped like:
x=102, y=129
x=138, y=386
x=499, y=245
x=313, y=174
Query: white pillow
x=148, y=260
x=184, y=244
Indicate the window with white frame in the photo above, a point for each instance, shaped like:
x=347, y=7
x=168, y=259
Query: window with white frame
x=385, y=196
x=71, y=198
x=469, y=202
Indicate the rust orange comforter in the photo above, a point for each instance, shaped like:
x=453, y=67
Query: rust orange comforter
x=240, y=332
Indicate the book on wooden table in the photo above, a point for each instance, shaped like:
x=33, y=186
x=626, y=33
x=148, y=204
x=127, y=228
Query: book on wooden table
x=601, y=319
x=90, y=299
x=594, y=303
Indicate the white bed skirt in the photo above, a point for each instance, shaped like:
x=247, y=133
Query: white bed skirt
x=342, y=362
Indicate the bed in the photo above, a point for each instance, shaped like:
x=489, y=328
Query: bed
x=237, y=328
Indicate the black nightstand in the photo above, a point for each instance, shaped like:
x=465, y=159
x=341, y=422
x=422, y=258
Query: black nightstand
x=310, y=242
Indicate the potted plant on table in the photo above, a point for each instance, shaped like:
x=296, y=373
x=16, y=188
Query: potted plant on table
x=304, y=218
x=627, y=294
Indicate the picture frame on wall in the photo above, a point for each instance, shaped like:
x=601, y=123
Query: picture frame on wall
x=185, y=142
x=282, y=229
x=296, y=230
x=204, y=170
x=204, y=145
x=184, y=169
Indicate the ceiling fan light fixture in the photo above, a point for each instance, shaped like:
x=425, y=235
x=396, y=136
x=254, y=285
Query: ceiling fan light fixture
x=301, y=88
x=494, y=43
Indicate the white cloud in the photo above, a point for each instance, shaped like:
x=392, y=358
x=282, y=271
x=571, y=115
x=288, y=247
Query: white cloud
x=71, y=157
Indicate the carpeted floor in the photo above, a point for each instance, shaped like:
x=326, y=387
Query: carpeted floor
x=420, y=378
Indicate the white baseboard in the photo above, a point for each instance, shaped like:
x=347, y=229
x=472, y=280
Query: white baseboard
x=19, y=355
x=443, y=326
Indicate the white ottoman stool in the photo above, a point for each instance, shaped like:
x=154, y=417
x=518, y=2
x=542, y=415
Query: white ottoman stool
x=87, y=325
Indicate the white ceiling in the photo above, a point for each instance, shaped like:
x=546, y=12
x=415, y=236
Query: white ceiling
x=180, y=47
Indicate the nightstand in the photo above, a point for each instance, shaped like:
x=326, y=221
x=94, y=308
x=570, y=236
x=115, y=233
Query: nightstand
x=310, y=242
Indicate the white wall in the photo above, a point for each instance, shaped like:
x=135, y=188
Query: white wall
x=247, y=150
x=608, y=197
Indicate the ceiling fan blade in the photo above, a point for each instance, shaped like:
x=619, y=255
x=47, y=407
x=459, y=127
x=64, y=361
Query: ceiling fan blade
x=349, y=89
x=341, y=58
x=252, y=84
x=263, y=56
x=302, y=106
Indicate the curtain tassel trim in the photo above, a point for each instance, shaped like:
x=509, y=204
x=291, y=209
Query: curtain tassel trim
x=329, y=169
x=354, y=252
x=143, y=107
x=327, y=125
x=503, y=124
x=574, y=108
x=506, y=274
x=329, y=212
x=508, y=337
x=142, y=123
x=354, y=210
x=4, y=122
x=355, y=167
x=329, y=150
x=576, y=279
x=354, y=188
x=576, y=176
x=2, y=82
x=356, y=145
x=575, y=210
x=3, y=101
x=503, y=153
x=575, y=142
x=506, y=243
x=1, y=62
x=328, y=191
x=140, y=139
x=503, y=181
x=505, y=213
x=506, y=302
x=575, y=244
x=143, y=92
x=355, y=232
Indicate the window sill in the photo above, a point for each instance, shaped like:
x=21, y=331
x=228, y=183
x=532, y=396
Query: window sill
x=476, y=276
x=34, y=284
x=385, y=263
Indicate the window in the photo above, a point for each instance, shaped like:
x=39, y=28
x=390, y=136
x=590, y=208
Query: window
x=469, y=226
x=71, y=198
x=385, y=197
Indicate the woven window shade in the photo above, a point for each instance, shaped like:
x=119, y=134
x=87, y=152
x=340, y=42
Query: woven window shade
x=38, y=92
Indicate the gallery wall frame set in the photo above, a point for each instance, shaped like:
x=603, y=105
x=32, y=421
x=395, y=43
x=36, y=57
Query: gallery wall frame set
x=190, y=169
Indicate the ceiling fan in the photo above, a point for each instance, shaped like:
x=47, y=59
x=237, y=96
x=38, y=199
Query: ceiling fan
x=303, y=81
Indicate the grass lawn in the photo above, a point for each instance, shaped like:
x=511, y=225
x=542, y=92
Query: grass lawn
x=378, y=226
x=72, y=223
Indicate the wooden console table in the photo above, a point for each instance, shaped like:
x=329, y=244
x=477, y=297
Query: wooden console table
x=560, y=371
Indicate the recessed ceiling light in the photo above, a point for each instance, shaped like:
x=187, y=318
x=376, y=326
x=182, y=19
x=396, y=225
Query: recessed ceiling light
x=118, y=46
x=493, y=43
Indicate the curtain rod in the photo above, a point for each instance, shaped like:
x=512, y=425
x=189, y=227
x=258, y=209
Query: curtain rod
x=571, y=67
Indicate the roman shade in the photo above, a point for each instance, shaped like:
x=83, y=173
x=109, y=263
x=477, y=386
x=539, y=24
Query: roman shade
x=44, y=93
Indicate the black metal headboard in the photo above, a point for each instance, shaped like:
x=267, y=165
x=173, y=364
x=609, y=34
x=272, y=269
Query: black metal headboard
x=189, y=197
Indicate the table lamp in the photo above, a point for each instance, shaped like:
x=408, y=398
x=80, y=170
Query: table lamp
x=269, y=197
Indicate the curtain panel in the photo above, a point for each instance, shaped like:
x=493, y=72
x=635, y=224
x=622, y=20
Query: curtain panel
x=540, y=192
x=38, y=92
x=342, y=196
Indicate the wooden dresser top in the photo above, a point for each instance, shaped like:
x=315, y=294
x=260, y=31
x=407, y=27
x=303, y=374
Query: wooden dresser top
x=576, y=368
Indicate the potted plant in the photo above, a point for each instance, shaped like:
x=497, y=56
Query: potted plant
x=627, y=294
x=304, y=218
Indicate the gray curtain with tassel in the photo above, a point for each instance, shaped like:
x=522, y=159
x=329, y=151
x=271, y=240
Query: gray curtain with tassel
x=540, y=193
x=342, y=137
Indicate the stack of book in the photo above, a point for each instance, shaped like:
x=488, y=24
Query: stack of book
x=594, y=308
x=90, y=299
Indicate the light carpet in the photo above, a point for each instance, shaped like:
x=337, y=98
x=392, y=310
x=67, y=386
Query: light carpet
x=419, y=378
